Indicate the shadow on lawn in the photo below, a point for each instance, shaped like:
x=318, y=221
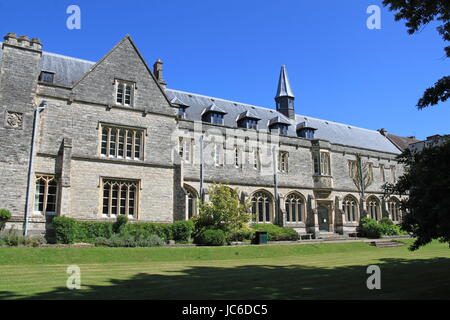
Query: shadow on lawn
x=400, y=279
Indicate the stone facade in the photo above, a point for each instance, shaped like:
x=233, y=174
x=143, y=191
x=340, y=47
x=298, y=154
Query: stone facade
x=68, y=148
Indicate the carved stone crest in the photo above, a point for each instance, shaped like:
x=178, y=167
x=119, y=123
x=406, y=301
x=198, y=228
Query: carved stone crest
x=14, y=119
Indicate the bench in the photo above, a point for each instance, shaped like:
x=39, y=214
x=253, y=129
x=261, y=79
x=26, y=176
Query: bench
x=306, y=235
x=353, y=234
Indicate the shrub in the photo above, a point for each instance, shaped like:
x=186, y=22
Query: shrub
x=389, y=228
x=5, y=215
x=182, y=230
x=277, y=233
x=211, y=237
x=14, y=238
x=128, y=240
x=370, y=228
x=120, y=223
x=146, y=229
x=241, y=235
x=67, y=230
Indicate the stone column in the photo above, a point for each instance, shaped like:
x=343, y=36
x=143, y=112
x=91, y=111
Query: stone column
x=362, y=207
x=282, y=211
x=384, y=210
x=65, y=157
x=314, y=228
x=339, y=215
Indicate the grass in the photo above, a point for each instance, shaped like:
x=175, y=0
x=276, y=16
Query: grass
x=313, y=271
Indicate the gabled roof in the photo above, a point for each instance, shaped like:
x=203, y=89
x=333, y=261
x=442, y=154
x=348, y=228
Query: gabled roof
x=401, y=142
x=177, y=101
x=278, y=119
x=284, y=87
x=304, y=125
x=247, y=114
x=213, y=108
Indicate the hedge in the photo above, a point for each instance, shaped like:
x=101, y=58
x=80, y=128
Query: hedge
x=277, y=233
x=69, y=230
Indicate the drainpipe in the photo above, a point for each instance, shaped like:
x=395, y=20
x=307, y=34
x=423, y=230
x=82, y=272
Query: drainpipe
x=202, y=193
x=31, y=166
x=275, y=180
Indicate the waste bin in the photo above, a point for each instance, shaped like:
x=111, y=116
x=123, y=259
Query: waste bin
x=261, y=237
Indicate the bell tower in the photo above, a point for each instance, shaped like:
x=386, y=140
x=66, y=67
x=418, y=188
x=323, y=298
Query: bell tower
x=285, y=97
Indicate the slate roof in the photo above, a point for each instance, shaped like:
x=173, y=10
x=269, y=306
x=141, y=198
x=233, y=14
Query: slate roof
x=401, y=142
x=68, y=70
x=328, y=130
x=278, y=119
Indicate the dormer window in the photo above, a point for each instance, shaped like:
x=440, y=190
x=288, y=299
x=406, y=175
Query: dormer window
x=124, y=93
x=182, y=112
x=247, y=120
x=216, y=118
x=282, y=128
x=47, y=77
x=248, y=124
x=279, y=125
x=213, y=114
x=181, y=107
x=305, y=131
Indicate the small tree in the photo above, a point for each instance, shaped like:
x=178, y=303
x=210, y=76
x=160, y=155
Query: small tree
x=223, y=212
x=5, y=215
x=426, y=182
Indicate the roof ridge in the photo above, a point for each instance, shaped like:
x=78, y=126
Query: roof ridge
x=225, y=100
x=273, y=110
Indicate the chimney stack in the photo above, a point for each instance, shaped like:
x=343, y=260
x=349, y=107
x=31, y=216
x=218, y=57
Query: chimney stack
x=158, y=72
x=22, y=42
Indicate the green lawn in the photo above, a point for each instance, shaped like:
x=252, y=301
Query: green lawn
x=313, y=271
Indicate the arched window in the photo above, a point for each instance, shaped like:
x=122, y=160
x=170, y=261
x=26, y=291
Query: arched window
x=350, y=208
x=262, y=206
x=283, y=161
x=45, y=194
x=394, y=209
x=295, y=208
x=373, y=208
x=191, y=202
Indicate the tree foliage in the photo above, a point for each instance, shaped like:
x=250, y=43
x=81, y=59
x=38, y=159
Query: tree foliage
x=223, y=211
x=426, y=182
x=417, y=14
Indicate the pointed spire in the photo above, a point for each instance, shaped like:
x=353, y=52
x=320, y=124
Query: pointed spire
x=284, y=87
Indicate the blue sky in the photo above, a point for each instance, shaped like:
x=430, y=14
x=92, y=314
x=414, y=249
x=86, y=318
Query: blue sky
x=338, y=68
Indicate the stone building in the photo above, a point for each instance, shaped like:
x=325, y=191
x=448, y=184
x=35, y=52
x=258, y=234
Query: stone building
x=93, y=140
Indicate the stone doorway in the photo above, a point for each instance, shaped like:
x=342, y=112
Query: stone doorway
x=323, y=215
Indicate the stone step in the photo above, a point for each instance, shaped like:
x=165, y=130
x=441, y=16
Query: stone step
x=386, y=244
